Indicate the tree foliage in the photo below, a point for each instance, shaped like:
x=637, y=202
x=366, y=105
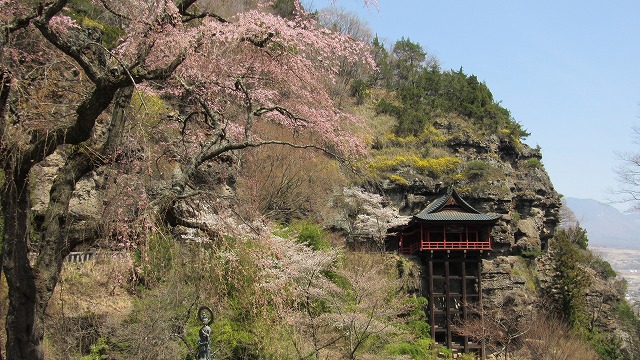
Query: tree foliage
x=424, y=90
x=345, y=22
x=68, y=73
x=576, y=274
x=569, y=279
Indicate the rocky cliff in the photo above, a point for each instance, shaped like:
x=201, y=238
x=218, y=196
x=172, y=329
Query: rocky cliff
x=511, y=182
x=508, y=179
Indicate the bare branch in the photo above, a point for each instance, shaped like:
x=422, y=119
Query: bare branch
x=212, y=117
x=184, y=6
x=161, y=73
x=251, y=144
x=71, y=46
x=281, y=110
x=114, y=12
x=86, y=114
x=52, y=9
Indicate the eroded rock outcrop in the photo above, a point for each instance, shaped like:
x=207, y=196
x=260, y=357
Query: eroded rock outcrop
x=523, y=195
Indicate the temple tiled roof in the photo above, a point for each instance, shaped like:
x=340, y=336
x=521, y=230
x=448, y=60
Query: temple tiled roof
x=451, y=207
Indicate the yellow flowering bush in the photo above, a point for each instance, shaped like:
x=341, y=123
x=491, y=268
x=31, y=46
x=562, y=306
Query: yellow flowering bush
x=435, y=167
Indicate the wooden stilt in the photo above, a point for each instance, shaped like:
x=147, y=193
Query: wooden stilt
x=431, y=305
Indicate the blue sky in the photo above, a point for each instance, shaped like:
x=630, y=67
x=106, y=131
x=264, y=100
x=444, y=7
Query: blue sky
x=567, y=70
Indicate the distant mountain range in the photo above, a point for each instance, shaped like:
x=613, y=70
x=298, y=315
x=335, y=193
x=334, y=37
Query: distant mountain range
x=606, y=226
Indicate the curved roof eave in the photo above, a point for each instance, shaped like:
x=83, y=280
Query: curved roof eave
x=448, y=216
x=434, y=210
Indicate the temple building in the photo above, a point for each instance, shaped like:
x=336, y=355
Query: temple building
x=450, y=238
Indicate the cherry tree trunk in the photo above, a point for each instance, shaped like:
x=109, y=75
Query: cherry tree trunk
x=31, y=285
x=24, y=331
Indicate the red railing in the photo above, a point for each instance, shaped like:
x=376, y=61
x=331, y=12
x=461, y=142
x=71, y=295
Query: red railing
x=456, y=245
x=445, y=245
x=408, y=250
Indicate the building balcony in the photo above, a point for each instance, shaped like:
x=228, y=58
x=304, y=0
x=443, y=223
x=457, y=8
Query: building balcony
x=412, y=248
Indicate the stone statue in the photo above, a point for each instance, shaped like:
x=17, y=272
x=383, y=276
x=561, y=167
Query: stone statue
x=206, y=317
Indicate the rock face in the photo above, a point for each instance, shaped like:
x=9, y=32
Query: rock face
x=524, y=195
x=85, y=204
x=365, y=217
x=511, y=182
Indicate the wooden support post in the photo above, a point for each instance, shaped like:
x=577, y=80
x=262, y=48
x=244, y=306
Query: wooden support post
x=444, y=237
x=466, y=235
x=464, y=299
x=480, y=306
x=447, y=302
x=431, y=305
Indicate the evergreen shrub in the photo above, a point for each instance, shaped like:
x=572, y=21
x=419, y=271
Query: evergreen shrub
x=533, y=163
